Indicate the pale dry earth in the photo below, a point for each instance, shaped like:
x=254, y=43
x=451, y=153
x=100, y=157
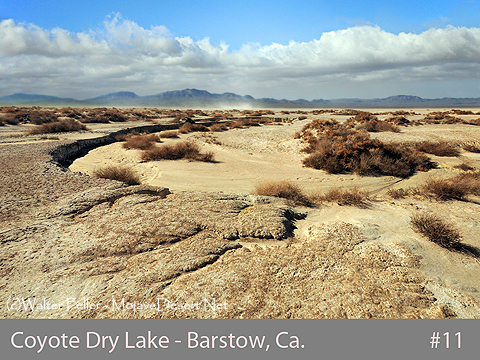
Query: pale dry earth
x=191, y=235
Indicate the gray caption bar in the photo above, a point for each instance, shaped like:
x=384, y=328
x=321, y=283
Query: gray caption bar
x=239, y=339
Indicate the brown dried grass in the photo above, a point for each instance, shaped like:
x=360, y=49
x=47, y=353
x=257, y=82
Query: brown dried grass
x=183, y=150
x=341, y=196
x=57, y=127
x=119, y=173
x=284, y=189
x=436, y=230
x=141, y=142
x=169, y=134
x=440, y=148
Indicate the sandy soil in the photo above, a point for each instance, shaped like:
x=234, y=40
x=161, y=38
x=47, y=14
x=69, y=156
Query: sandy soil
x=245, y=157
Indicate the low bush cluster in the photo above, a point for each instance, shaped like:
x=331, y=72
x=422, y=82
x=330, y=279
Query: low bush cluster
x=290, y=191
x=336, y=148
x=169, y=134
x=189, y=127
x=341, y=196
x=182, y=150
x=57, y=127
x=119, y=173
x=436, y=230
x=437, y=148
x=472, y=148
x=283, y=189
x=141, y=142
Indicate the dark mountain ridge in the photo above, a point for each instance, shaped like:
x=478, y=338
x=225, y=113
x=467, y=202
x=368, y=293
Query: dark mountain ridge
x=202, y=98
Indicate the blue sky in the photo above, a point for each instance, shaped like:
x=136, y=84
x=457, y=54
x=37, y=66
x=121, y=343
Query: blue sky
x=286, y=49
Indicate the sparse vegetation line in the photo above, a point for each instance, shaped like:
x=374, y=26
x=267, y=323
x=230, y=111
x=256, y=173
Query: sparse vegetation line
x=65, y=154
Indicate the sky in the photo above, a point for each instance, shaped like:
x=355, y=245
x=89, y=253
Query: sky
x=280, y=49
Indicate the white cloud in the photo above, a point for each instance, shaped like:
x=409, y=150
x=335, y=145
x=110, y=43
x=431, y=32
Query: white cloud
x=123, y=55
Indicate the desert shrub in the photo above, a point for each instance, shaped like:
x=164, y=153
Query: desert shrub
x=461, y=112
x=349, y=112
x=445, y=189
x=99, y=119
x=464, y=167
x=397, y=120
x=352, y=197
x=183, y=150
x=369, y=122
x=35, y=117
x=218, y=127
x=440, y=148
x=188, y=127
x=361, y=117
x=283, y=189
x=58, y=126
x=114, y=116
x=377, y=126
x=119, y=173
x=169, y=134
x=121, y=137
x=472, y=148
x=470, y=180
x=398, y=193
x=441, y=118
x=246, y=122
x=9, y=119
x=141, y=142
x=336, y=148
x=209, y=156
x=436, y=230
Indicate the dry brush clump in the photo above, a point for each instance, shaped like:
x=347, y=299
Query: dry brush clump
x=141, y=142
x=183, y=150
x=444, y=189
x=37, y=117
x=293, y=193
x=284, y=189
x=336, y=148
x=169, y=134
x=437, y=148
x=436, y=230
x=441, y=118
x=455, y=188
x=464, y=167
x=472, y=148
x=341, y=196
x=57, y=127
x=219, y=127
x=369, y=122
x=398, y=193
x=189, y=127
x=119, y=173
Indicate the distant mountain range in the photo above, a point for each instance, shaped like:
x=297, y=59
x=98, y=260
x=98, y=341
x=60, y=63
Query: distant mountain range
x=193, y=98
